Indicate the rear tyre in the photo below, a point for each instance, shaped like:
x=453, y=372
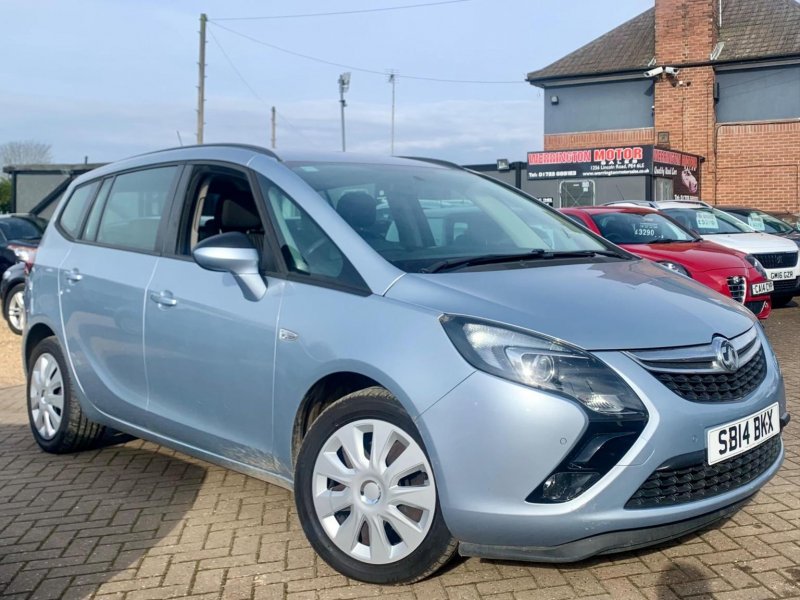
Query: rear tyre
x=780, y=301
x=366, y=494
x=15, y=309
x=56, y=419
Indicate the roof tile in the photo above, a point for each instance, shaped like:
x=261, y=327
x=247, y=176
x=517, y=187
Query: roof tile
x=750, y=29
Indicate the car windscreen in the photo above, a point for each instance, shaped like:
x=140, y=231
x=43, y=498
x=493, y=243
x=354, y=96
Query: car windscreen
x=418, y=215
x=15, y=228
x=639, y=228
x=761, y=221
x=707, y=221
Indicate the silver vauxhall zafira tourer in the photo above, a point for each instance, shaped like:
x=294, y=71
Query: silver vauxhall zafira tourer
x=433, y=361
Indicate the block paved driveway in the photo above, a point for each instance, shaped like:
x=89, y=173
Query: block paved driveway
x=135, y=521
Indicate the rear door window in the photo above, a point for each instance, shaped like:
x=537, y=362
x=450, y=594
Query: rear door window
x=133, y=212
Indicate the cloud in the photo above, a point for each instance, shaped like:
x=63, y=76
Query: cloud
x=464, y=131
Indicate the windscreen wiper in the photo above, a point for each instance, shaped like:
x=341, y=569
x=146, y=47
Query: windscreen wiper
x=453, y=264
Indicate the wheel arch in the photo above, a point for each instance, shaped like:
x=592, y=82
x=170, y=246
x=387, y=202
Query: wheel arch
x=328, y=389
x=36, y=333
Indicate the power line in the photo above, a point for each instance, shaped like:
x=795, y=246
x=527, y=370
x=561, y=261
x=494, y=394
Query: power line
x=344, y=12
x=354, y=68
x=252, y=89
x=235, y=70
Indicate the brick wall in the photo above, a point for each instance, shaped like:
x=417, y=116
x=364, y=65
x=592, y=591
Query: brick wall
x=758, y=164
x=591, y=139
x=685, y=109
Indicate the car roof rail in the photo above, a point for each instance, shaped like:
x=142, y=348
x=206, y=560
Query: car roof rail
x=435, y=161
x=687, y=201
x=648, y=203
x=252, y=147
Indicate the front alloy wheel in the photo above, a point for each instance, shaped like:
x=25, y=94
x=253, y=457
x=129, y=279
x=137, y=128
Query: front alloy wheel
x=366, y=493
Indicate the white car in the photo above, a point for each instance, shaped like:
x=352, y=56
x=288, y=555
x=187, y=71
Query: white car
x=777, y=255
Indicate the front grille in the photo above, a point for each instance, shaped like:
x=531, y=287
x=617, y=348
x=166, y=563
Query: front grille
x=669, y=485
x=777, y=260
x=785, y=285
x=755, y=307
x=717, y=387
x=737, y=286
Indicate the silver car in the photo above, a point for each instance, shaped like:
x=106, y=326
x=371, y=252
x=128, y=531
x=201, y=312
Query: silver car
x=433, y=361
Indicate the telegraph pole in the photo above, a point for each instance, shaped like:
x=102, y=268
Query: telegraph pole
x=201, y=80
x=344, y=85
x=392, y=80
x=272, y=137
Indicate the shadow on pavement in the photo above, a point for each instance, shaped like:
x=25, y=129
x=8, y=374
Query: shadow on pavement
x=78, y=524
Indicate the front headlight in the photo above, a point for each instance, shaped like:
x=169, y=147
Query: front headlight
x=543, y=363
x=757, y=265
x=675, y=267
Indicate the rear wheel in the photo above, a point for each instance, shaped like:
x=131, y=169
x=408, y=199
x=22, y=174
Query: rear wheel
x=366, y=494
x=56, y=419
x=780, y=301
x=15, y=309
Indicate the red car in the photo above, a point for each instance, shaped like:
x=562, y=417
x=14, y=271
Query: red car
x=652, y=235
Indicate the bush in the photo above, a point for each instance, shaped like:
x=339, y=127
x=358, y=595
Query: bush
x=5, y=195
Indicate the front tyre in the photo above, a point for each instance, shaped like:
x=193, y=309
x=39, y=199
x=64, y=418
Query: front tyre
x=57, y=421
x=366, y=494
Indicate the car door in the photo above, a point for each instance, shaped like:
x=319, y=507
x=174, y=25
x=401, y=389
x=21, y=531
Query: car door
x=102, y=282
x=209, y=351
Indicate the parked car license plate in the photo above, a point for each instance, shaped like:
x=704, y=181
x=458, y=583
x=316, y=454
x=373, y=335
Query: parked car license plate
x=782, y=274
x=731, y=439
x=762, y=288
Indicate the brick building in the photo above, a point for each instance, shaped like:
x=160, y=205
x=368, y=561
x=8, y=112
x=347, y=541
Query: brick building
x=733, y=102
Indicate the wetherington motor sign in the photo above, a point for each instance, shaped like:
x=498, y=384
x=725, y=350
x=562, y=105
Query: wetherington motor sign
x=594, y=162
x=682, y=168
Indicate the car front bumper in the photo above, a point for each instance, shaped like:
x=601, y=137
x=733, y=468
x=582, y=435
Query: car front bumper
x=492, y=442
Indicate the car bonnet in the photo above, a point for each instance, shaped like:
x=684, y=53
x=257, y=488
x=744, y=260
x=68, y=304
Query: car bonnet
x=621, y=305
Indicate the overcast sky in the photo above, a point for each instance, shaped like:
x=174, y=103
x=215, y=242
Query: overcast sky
x=111, y=78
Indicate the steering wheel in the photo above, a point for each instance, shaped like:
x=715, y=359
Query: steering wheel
x=614, y=237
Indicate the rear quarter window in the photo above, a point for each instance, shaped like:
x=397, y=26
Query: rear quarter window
x=71, y=217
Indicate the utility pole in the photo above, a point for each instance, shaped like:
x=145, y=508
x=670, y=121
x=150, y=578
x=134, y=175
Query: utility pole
x=344, y=85
x=201, y=81
x=392, y=80
x=272, y=137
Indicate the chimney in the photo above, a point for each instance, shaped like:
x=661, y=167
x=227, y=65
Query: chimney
x=686, y=30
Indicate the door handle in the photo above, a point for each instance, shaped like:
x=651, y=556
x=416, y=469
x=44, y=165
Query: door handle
x=163, y=298
x=73, y=276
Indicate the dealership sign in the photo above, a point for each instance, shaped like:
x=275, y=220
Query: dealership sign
x=683, y=169
x=594, y=162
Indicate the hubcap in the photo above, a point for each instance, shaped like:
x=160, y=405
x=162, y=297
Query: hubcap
x=46, y=396
x=16, y=311
x=374, y=492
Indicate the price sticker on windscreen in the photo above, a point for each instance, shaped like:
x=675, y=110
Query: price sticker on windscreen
x=756, y=222
x=706, y=220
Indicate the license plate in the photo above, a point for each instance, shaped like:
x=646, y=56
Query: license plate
x=731, y=439
x=759, y=289
x=782, y=275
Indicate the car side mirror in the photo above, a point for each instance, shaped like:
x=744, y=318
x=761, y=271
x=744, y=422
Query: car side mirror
x=233, y=253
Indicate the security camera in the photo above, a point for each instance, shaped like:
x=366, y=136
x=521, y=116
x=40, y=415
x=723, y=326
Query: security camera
x=671, y=71
x=654, y=72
